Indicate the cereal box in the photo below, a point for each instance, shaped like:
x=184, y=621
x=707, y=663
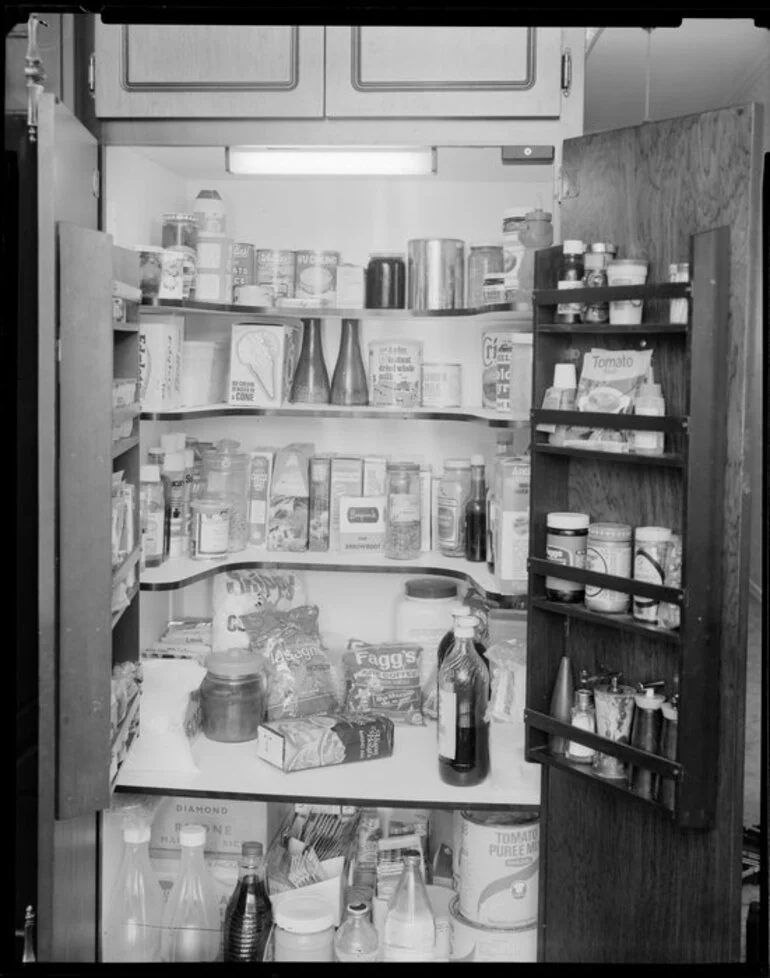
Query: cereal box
x=260, y=360
x=362, y=524
x=346, y=480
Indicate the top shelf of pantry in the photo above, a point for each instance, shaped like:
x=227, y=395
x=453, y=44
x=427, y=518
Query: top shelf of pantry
x=498, y=313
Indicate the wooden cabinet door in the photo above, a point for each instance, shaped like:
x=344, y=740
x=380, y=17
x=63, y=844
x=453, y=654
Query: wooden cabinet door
x=166, y=71
x=443, y=72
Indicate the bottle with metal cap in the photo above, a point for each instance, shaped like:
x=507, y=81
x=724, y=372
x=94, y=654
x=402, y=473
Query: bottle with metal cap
x=476, y=513
x=584, y=718
x=645, y=734
x=409, y=933
x=248, y=917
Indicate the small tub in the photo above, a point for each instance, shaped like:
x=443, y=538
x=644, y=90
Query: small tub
x=626, y=271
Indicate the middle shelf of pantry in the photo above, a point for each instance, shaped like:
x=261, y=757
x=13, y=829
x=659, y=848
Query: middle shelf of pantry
x=178, y=572
x=410, y=777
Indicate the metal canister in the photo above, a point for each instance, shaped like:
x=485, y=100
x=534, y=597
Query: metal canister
x=436, y=274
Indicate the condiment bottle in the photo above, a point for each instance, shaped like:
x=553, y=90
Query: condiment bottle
x=584, y=718
x=608, y=552
x=668, y=748
x=458, y=611
x=645, y=734
x=651, y=545
x=504, y=448
x=572, y=273
x=475, y=513
x=248, y=916
x=651, y=403
x=409, y=933
x=357, y=939
x=191, y=922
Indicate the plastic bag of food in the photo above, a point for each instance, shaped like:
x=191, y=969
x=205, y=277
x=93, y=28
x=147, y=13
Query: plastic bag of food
x=240, y=592
x=385, y=679
x=299, y=672
x=670, y=615
x=508, y=681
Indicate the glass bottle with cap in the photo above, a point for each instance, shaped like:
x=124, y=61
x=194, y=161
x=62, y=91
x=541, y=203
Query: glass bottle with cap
x=447, y=640
x=135, y=908
x=645, y=734
x=409, y=933
x=304, y=929
x=191, y=920
x=357, y=939
x=233, y=698
x=226, y=471
x=572, y=273
x=248, y=917
x=463, y=695
x=152, y=518
x=453, y=494
x=476, y=513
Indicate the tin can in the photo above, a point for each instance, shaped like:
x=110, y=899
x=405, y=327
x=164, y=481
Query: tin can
x=395, y=374
x=315, y=276
x=244, y=264
x=608, y=551
x=441, y=385
x=275, y=273
x=436, y=273
x=499, y=868
x=491, y=339
x=475, y=942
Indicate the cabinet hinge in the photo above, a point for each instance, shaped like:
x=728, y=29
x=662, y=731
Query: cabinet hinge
x=95, y=184
x=92, y=74
x=58, y=350
x=566, y=72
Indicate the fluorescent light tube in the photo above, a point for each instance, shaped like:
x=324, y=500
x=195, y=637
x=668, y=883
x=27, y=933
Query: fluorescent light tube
x=330, y=161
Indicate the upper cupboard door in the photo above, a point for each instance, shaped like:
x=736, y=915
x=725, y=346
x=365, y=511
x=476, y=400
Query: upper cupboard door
x=198, y=71
x=443, y=72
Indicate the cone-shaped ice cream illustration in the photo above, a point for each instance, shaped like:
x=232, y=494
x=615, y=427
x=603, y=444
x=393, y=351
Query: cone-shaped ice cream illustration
x=561, y=703
x=258, y=352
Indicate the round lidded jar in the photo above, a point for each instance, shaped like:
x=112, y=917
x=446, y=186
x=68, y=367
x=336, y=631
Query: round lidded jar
x=180, y=231
x=233, y=698
x=386, y=280
x=608, y=551
x=424, y=615
x=402, y=511
x=210, y=529
x=483, y=260
x=566, y=542
x=226, y=471
x=304, y=929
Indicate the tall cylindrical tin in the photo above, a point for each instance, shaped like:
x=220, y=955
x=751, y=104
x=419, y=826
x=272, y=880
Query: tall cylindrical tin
x=475, y=942
x=436, y=275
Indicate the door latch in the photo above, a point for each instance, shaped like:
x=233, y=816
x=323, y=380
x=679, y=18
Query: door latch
x=92, y=75
x=566, y=72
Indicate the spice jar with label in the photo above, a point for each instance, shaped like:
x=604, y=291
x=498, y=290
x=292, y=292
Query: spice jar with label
x=572, y=273
x=595, y=264
x=233, y=698
x=402, y=511
x=210, y=528
x=608, y=552
x=566, y=542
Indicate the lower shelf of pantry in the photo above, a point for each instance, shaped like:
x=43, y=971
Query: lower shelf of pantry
x=410, y=777
x=180, y=571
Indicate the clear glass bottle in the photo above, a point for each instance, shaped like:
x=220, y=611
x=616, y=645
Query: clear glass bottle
x=504, y=448
x=409, y=933
x=356, y=939
x=349, y=385
x=226, y=471
x=402, y=511
x=311, y=380
x=583, y=716
x=476, y=514
x=191, y=922
x=454, y=491
x=463, y=695
x=132, y=925
x=248, y=917
x=151, y=510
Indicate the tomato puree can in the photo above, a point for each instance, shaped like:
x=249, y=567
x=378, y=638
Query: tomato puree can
x=499, y=868
x=475, y=942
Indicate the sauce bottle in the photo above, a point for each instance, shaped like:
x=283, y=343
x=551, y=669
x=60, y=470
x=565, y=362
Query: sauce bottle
x=645, y=734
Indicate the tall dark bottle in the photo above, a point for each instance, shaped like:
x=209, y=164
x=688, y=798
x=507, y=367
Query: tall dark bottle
x=311, y=379
x=248, y=916
x=476, y=513
x=463, y=695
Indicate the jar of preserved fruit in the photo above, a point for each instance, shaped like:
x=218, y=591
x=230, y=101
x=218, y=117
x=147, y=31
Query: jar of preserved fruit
x=402, y=511
x=233, y=699
x=483, y=260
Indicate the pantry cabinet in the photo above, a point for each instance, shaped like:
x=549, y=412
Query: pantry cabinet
x=450, y=72
x=165, y=71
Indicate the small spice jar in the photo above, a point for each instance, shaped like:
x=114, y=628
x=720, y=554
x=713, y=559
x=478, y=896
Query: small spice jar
x=608, y=552
x=572, y=274
x=595, y=262
x=402, y=511
x=304, y=929
x=210, y=527
x=233, y=700
x=679, y=309
x=566, y=543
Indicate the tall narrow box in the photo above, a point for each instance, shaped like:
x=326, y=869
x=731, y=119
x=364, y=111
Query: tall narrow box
x=346, y=480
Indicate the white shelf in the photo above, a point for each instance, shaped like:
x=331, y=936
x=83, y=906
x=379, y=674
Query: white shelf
x=473, y=414
x=409, y=776
x=181, y=571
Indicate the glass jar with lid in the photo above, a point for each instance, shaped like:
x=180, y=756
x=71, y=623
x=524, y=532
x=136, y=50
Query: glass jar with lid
x=571, y=277
x=483, y=260
x=226, y=471
x=304, y=929
x=595, y=260
x=454, y=492
x=402, y=511
x=386, y=280
x=180, y=233
x=233, y=696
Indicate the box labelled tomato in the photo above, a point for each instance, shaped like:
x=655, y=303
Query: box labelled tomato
x=299, y=743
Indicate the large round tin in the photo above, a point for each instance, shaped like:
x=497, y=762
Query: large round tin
x=499, y=863
x=475, y=942
x=436, y=274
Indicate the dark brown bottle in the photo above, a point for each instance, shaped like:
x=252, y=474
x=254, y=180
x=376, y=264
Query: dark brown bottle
x=463, y=696
x=476, y=514
x=248, y=917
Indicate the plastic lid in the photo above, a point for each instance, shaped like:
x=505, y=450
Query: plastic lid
x=430, y=588
x=494, y=277
x=477, y=460
x=568, y=521
x=174, y=462
x=135, y=834
x=670, y=710
x=649, y=699
x=156, y=451
x=252, y=849
x=457, y=463
x=564, y=376
x=192, y=835
x=458, y=610
x=466, y=625
x=653, y=534
x=486, y=244
x=149, y=473
x=610, y=531
x=360, y=909
x=573, y=247
x=303, y=914
x=208, y=195
x=233, y=664
x=538, y=215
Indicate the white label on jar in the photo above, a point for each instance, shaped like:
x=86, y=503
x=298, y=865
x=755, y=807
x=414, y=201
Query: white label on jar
x=403, y=507
x=569, y=308
x=152, y=534
x=649, y=563
x=212, y=533
x=447, y=723
x=448, y=523
x=569, y=557
x=257, y=510
x=615, y=560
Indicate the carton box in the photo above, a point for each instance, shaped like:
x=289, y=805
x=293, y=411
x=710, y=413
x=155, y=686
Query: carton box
x=259, y=495
x=160, y=362
x=362, y=524
x=261, y=364
x=374, y=475
x=320, y=485
x=228, y=823
x=346, y=480
x=287, y=527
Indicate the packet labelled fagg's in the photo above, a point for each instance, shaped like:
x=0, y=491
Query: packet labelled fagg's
x=259, y=494
x=385, y=679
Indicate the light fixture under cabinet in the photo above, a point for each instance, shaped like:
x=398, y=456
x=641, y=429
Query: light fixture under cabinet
x=330, y=161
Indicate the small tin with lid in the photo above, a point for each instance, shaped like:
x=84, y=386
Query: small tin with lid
x=566, y=543
x=233, y=699
x=386, y=281
x=608, y=552
x=304, y=929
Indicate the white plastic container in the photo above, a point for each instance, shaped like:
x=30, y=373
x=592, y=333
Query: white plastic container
x=424, y=616
x=304, y=929
x=626, y=271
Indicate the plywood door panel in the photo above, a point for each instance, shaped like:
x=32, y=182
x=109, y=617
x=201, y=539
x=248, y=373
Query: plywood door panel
x=658, y=893
x=195, y=71
x=453, y=72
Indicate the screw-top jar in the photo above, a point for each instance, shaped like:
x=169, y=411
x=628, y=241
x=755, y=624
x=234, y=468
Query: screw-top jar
x=453, y=494
x=608, y=552
x=566, y=542
x=233, y=700
x=651, y=545
x=304, y=929
x=210, y=527
x=402, y=511
x=483, y=260
x=572, y=273
x=514, y=222
x=386, y=281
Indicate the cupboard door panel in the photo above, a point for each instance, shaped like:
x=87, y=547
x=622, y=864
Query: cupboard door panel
x=504, y=72
x=195, y=71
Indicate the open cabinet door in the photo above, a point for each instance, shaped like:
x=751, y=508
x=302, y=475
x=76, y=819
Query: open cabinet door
x=621, y=882
x=73, y=279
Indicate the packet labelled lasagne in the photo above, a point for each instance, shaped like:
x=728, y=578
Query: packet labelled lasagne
x=323, y=740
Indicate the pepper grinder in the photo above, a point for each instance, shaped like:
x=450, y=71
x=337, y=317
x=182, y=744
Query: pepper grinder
x=614, y=703
x=561, y=704
x=645, y=735
x=669, y=738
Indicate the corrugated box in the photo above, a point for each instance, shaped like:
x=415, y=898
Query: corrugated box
x=228, y=823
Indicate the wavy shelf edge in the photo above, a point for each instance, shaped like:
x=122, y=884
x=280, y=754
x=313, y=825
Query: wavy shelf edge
x=165, y=306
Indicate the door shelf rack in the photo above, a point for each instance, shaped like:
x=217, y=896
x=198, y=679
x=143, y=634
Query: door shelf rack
x=666, y=490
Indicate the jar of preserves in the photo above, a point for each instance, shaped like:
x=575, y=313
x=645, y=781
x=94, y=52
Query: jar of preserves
x=483, y=260
x=454, y=491
x=210, y=527
x=402, y=511
x=180, y=231
x=566, y=543
x=572, y=274
x=386, y=281
x=233, y=697
x=226, y=472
